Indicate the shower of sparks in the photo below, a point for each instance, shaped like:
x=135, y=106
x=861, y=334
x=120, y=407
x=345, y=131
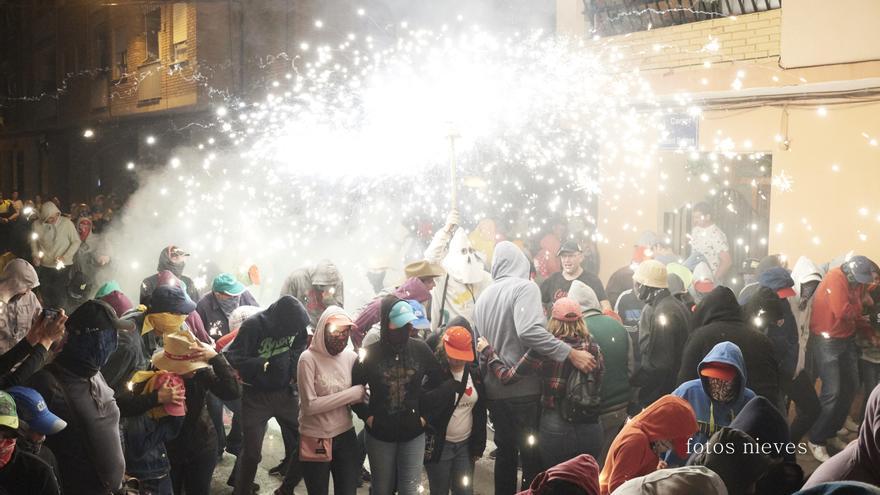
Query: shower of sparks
x=782, y=181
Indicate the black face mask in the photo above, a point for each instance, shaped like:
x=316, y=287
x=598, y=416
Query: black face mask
x=642, y=292
x=398, y=336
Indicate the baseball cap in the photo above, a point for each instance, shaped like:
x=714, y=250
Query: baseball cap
x=8, y=416
x=569, y=246
x=421, y=322
x=458, y=343
x=862, y=269
x=566, y=309
x=171, y=299
x=704, y=280
x=176, y=251
x=778, y=279
x=94, y=315
x=227, y=284
x=401, y=314
x=723, y=371
x=173, y=380
x=340, y=320
x=32, y=409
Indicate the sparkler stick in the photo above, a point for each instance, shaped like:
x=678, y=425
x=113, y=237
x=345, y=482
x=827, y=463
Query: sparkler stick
x=452, y=136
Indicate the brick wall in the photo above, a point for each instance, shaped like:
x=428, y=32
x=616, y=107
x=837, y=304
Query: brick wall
x=747, y=37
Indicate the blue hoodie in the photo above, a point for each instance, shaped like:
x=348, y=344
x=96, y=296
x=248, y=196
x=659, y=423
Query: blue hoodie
x=696, y=392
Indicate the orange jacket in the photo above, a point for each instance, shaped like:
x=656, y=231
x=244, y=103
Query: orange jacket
x=631, y=456
x=837, y=307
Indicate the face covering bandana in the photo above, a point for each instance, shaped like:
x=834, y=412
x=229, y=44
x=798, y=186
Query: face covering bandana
x=163, y=322
x=228, y=305
x=336, y=341
x=398, y=336
x=7, y=447
x=721, y=390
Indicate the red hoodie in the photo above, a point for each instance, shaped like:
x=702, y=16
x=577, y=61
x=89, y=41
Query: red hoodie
x=837, y=307
x=582, y=471
x=631, y=455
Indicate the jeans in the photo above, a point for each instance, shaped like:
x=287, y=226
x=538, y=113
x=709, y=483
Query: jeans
x=836, y=361
x=807, y=406
x=194, y=476
x=157, y=486
x=345, y=468
x=612, y=422
x=559, y=440
x=257, y=407
x=396, y=461
x=454, y=470
x=869, y=373
x=516, y=430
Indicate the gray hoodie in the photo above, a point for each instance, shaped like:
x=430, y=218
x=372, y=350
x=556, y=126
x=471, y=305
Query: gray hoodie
x=586, y=297
x=686, y=480
x=510, y=316
x=804, y=271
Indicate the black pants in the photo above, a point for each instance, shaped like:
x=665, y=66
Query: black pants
x=801, y=391
x=193, y=476
x=345, y=467
x=53, y=286
x=215, y=412
x=516, y=432
x=257, y=407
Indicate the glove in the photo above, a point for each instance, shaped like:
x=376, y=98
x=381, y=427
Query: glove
x=452, y=219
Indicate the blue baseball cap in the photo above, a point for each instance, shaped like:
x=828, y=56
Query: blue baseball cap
x=421, y=322
x=401, y=314
x=862, y=269
x=171, y=299
x=227, y=284
x=779, y=280
x=32, y=410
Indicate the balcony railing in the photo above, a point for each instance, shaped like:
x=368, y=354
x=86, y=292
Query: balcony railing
x=614, y=17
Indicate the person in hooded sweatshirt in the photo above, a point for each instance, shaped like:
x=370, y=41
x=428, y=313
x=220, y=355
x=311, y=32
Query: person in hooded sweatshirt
x=663, y=329
x=718, y=318
x=619, y=360
x=860, y=460
x=316, y=287
x=172, y=259
x=510, y=317
x=413, y=288
x=53, y=248
x=735, y=457
x=19, y=305
x=719, y=394
x=326, y=394
x=266, y=353
x=684, y=480
x=665, y=425
x=89, y=450
x=762, y=421
x=215, y=307
x=576, y=476
x=456, y=293
x=394, y=369
x=802, y=392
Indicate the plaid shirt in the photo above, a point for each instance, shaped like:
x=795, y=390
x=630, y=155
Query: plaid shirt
x=554, y=375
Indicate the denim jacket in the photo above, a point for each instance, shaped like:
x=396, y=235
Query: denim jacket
x=143, y=442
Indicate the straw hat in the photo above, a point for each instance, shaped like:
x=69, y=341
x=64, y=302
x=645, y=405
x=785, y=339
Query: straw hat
x=177, y=355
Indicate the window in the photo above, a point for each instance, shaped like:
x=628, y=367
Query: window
x=179, y=31
x=102, y=47
x=120, y=53
x=153, y=24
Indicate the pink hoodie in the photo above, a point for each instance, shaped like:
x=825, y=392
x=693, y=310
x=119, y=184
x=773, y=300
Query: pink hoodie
x=325, y=397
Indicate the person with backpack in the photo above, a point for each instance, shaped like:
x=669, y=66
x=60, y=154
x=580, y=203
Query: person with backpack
x=570, y=399
x=456, y=437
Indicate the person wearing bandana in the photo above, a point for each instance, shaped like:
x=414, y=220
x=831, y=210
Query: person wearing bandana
x=325, y=394
x=217, y=306
x=173, y=259
x=20, y=470
x=394, y=369
x=719, y=394
x=53, y=246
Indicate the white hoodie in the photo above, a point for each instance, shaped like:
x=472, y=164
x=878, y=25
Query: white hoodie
x=467, y=276
x=58, y=240
x=804, y=271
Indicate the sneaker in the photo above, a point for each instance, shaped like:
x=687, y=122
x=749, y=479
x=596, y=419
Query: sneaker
x=851, y=425
x=836, y=443
x=819, y=452
x=255, y=488
x=279, y=469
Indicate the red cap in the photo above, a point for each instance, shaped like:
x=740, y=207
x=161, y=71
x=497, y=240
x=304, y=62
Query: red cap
x=723, y=371
x=704, y=286
x=340, y=320
x=786, y=292
x=458, y=343
x=566, y=309
x=174, y=380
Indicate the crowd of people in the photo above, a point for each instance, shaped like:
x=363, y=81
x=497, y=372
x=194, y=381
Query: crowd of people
x=662, y=381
